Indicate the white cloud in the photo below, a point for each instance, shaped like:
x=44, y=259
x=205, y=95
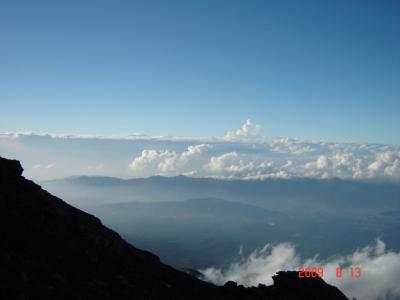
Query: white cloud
x=386, y=164
x=121, y=137
x=240, y=154
x=277, y=159
x=292, y=146
x=162, y=160
x=141, y=162
x=380, y=270
x=247, y=131
x=166, y=162
x=257, y=268
x=288, y=164
x=192, y=173
x=393, y=170
x=220, y=163
x=322, y=162
x=232, y=165
x=193, y=151
x=41, y=166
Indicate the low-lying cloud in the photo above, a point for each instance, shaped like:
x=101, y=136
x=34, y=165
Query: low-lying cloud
x=245, y=155
x=167, y=162
x=239, y=154
x=380, y=270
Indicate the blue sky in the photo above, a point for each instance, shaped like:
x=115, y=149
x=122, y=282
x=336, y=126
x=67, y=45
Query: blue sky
x=309, y=69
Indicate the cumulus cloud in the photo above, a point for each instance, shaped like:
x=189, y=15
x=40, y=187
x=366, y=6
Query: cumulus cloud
x=162, y=160
x=274, y=159
x=222, y=162
x=322, y=162
x=247, y=131
x=232, y=165
x=193, y=151
x=166, y=162
x=240, y=154
x=355, y=162
x=385, y=164
x=380, y=270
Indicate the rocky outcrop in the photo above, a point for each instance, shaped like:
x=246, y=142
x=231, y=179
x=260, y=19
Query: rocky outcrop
x=51, y=250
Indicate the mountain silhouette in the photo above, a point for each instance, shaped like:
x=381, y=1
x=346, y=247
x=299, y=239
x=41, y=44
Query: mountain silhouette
x=52, y=250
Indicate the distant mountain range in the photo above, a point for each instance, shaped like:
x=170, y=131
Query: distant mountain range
x=202, y=222
x=51, y=250
x=269, y=193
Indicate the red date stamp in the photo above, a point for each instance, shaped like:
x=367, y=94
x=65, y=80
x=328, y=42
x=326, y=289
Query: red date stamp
x=354, y=272
x=308, y=272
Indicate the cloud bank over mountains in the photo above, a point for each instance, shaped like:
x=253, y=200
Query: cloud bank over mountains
x=258, y=158
x=380, y=270
x=240, y=154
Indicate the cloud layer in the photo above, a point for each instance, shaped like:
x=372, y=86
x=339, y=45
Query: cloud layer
x=380, y=270
x=166, y=162
x=240, y=154
x=244, y=154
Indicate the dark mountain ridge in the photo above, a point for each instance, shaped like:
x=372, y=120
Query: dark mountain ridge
x=51, y=250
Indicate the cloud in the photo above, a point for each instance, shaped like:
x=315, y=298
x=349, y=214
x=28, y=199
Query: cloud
x=166, y=162
x=222, y=162
x=275, y=159
x=247, y=131
x=41, y=166
x=385, y=164
x=240, y=154
x=322, y=162
x=356, y=163
x=115, y=137
x=257, y=268
x=161, y=160
x=193, y=151
x=380, y=270
x=232, y=165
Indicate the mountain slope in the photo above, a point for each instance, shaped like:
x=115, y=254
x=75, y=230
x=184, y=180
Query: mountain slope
x=51, y=250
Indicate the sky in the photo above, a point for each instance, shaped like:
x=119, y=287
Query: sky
x=315, y=70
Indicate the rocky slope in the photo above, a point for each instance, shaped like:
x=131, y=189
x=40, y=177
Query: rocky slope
x=51, y=250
